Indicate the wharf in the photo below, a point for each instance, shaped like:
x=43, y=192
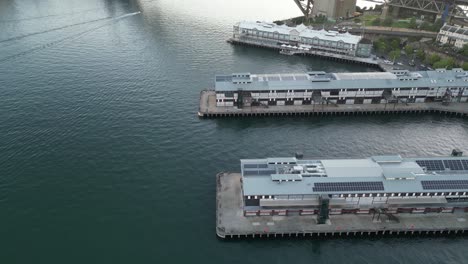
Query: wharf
x=326, y=55
x=231, y=223
x=209, y=109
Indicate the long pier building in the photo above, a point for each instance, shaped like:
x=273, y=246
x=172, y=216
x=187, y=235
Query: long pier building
x=318, y=87
x=379, y=195
x=389, y=183
x=302, y=36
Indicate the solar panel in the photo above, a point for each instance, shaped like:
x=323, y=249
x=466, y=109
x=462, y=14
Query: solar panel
x=258, y=172
x=347, y=186
x=445, y=185
x=431, y=165
x=453, y=164
x=465, y=164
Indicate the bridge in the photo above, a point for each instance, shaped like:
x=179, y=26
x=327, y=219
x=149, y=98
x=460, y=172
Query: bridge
x=443, y=9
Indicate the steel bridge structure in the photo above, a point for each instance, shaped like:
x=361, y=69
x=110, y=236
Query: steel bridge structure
x=444, y=9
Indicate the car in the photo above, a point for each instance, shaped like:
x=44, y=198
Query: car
x=399, y=63
x=422, y=66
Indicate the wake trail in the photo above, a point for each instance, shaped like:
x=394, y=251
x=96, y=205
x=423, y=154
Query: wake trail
x=52, y=29
x=56, y=15
x=53, y=43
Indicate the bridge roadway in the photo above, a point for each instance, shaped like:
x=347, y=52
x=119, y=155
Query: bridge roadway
x=392, y=31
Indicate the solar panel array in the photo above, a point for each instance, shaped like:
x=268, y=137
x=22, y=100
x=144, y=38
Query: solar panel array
x=431, y=165
x=255, y=166
x=453, y=164
x=465, y=164
x=348, y=186
x=258, y=172
x=441, y=165
x=445, y=185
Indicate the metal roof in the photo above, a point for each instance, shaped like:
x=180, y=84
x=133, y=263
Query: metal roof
x=263, y=177
x=367, y=80
x=302, y=30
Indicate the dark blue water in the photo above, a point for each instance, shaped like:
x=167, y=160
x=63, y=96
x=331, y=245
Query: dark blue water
x=103, y=158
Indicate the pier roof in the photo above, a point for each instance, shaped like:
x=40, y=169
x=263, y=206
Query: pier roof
x=303, y=31
x=380, y=174
x=360, y=80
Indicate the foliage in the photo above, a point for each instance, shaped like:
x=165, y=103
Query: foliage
x=420, y=54
x=387, y=22
x=464, y=50
x=412, y=23
x=409, y=50
x=320, y=19
x=465, y=66
x=376, y=22
x=395, y=44
x=425, y=26
x=394, y=54
x=433, y=59
x=444, y=63
x=357, y=20
x=437, y=25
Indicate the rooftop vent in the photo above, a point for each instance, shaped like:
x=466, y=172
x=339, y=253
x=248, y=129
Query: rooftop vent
x=457, y=153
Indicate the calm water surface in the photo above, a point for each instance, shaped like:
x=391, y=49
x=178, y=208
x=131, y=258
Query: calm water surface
x=102, y=156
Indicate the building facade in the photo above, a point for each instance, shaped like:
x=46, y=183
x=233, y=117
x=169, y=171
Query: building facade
x=388, y=184
x=301, y=36
x=456, y=36
x=334, y=9
x=399, y=86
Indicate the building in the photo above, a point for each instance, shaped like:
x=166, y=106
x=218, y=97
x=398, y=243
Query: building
x=245, y=89
x=456, y=36
x=334, y=9
x=300, y=36
x=388, y=184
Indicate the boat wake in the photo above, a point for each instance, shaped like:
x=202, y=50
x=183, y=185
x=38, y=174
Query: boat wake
x=75, y=36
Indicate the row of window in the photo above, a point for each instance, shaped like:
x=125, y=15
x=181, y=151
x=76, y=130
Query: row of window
x=299, y=197
x=229, y=94
x=316, y=41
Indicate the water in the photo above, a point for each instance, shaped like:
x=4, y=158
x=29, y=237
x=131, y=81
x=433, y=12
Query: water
x=103, y=159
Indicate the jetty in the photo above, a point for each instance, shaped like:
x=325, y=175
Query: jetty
x=380, y=195
x=209, y=109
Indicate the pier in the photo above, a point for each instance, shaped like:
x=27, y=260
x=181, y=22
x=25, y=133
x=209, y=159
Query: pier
x=376, y=63
x=232, y=224
x=208, y=109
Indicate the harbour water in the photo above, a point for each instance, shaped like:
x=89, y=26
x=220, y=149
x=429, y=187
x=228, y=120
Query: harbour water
x=103, y=158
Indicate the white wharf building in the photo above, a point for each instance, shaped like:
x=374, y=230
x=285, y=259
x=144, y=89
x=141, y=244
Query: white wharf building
x=245, y=89
x=389, y=184
x=302, y=37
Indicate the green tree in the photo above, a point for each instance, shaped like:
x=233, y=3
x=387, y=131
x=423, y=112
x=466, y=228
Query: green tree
x=433, y=58
x=394, y=55
x=387, y=22
x=465, y=66
x=444, y=63
x=357, y=20
x=409, y=50
x=425, y=26
x=376, y=22
x=381, y=45
x=395, y=44
x=412, y=23
x=437, y=25
x=464, y=50
x=420, y=54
